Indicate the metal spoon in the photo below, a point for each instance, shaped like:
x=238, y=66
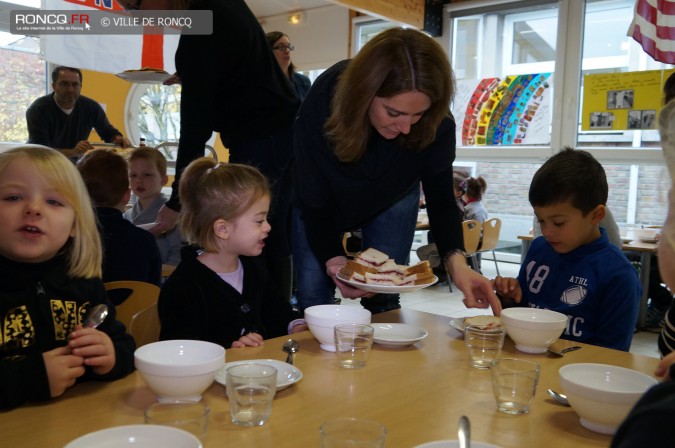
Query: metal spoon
x=560, y=398
x=96, y=316
x=291, y=346
x=563, y=351
x=464, y=432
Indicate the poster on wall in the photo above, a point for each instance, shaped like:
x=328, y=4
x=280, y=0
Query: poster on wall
x=514, y=110
x=623, y=101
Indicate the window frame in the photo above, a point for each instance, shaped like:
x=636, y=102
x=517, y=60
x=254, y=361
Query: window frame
x=566, y=89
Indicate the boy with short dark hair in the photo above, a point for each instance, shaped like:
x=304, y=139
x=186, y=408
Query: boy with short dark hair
x=129, y=253
x=572, y=268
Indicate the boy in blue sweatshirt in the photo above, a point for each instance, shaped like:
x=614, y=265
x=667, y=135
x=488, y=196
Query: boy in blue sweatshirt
x=572, y=268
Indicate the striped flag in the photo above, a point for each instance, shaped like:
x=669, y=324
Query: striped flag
x=106, y=53
x=653, y=28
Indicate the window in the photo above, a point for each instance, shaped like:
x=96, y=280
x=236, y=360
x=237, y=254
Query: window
x=607, y=49
x=569, y=40
x=504, y=60
x=365, y=27
x=23, y=78
x=154, y=114
x=512, y=38
x=157, y=114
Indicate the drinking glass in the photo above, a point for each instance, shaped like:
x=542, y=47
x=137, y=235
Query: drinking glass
x=186, y=415
x=484, y=346
x=514, y=382
x=250, y=389
x=353, y=343
x=351, y=432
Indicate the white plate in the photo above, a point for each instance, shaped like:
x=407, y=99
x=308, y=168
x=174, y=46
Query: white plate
x=385, y=289
x=649, y=240
x=144, y=77
x=454, y=444
x=286, y=373
x=147, y=436
x=397, y=335
x=457, y=323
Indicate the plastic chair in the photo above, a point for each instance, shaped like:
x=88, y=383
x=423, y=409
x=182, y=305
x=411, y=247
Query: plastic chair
x=472, y=232
x=491, y=229
x=145, y=325
x=142, y=296
x=471, y=229
x=170, y=150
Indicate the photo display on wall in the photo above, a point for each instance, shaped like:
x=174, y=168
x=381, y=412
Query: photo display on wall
x=622, y=101
x=514, y=110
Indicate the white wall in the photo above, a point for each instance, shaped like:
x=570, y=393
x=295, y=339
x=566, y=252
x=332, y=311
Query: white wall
x=320, y=41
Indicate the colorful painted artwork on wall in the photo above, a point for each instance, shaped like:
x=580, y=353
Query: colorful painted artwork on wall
x=515, y=110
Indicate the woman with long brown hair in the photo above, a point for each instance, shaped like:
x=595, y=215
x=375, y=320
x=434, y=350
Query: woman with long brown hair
x=368, y=132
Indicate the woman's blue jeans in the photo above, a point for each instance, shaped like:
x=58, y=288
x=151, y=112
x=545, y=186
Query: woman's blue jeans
x=391, y=232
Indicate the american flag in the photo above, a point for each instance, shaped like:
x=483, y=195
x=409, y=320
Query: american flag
x=653, y=27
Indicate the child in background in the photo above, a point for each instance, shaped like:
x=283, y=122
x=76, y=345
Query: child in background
x=459, y=186
x=222, y=293
x=573, y=268
x=473, y=208
x=129, y=253
x=50, y=276
x=147, y=176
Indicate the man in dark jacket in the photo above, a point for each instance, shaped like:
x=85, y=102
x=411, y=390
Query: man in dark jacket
x=64, y=119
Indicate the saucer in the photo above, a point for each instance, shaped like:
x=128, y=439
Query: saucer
x=397, y=335
x=287, y=374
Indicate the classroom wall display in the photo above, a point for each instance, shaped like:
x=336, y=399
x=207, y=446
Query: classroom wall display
x=622, y=101
x=514, y=110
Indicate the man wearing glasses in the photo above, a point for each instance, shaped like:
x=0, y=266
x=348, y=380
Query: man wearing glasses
x=64, y=119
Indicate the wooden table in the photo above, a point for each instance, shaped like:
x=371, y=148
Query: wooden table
x=167, y=270
x=418, y=392
x=644, y=250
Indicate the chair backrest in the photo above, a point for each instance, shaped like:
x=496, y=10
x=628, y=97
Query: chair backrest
x=144, y=326
x=170, y=151
x=142, y=296
x=471, y=229
x=491, y=229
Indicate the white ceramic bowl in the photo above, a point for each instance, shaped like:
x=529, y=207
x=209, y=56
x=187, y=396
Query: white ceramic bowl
x=179, y=369
x=602, y=394
x=533, y=329
x=646, y=235
x=321, y=319
x=146, y=436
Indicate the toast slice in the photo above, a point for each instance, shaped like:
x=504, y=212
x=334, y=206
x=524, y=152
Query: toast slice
x=371, y=257
x=382, y=279
x=352, y=276
x=359, y=268
x=418, y=279
x=422, y=266
x=484, y=322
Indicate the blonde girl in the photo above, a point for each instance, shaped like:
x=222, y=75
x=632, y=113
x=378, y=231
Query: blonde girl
x=50, y=276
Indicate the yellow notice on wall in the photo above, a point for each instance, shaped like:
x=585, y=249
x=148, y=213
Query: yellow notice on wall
x=623, y=101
